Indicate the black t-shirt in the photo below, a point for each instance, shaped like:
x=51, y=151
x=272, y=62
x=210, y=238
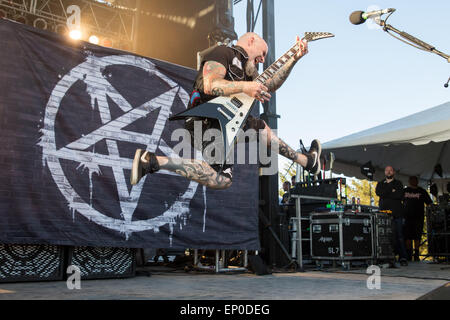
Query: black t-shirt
x=414, y=200
x=232, y=58
x=391, y=196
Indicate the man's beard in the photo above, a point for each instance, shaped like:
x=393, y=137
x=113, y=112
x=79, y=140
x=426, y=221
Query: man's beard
x=251, y=70
x=389, y=177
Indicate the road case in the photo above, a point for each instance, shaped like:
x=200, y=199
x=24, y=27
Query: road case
x=341, y=236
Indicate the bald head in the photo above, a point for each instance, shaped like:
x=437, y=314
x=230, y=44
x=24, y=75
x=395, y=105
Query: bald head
x=256, y=49
x=389, y=172
x=249, y=36
x=413, y=181
x=254, y=45
x=286, y=186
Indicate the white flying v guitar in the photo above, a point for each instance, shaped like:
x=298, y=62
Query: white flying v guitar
x=232, y=111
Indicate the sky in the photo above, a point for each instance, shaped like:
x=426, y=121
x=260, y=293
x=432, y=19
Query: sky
x=361, y=78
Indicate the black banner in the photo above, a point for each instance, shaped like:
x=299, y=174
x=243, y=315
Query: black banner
x=72, y=115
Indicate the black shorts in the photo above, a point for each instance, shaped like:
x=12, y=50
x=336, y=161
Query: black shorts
x=413, y=228
x=222, y=169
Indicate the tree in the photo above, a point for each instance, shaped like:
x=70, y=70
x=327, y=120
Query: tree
x=362, y=189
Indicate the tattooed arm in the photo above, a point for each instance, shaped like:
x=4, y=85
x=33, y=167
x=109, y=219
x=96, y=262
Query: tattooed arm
x=280, y=77
x=215, y=84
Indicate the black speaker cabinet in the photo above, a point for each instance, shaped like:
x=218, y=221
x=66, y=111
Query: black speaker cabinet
x=31, y=262
x=103, y=262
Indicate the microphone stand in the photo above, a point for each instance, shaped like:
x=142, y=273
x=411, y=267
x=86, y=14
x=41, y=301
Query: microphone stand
x=411, y=40
x=419, y=44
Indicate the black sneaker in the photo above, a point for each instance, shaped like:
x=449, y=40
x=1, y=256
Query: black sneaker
x=144, y=162
x=403, y=262
x=313, y=155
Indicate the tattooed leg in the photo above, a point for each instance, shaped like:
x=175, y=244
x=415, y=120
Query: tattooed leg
x=196, y=170
x=283, y=148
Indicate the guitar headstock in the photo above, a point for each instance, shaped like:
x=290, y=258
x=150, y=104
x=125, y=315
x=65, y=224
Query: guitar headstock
x=313, y=36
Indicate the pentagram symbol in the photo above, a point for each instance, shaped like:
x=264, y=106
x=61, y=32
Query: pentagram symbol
x=113, y=131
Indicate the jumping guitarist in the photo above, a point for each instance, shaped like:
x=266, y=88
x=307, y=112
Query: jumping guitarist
x=227, y=71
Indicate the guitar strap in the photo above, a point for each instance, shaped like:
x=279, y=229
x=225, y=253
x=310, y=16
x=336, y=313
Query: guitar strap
x=195, y=98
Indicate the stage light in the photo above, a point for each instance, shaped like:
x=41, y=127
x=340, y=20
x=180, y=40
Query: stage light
x=75, y=34
x=40, y=23
x=94, y=39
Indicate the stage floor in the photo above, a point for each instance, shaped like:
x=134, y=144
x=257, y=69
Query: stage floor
x=415, y=270
x=404, y=283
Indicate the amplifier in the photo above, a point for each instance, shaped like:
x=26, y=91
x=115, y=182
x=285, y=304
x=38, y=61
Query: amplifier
x=322, y=188
x=438, y=231
x=382, y=236
x=31, y=262
x=439, y=245
x=103, y=262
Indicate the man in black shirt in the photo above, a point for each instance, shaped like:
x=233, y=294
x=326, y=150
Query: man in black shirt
x=390, y=192
x=226, y=71
x=414, y=199
x=287, y=192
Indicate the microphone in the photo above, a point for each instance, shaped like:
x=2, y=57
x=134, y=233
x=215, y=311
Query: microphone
x=446, y=85
x=358, y=17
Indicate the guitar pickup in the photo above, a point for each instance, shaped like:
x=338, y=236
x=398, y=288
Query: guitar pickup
x=224, y=114
x=238, y=103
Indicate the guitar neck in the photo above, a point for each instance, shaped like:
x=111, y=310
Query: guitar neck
x=277, y=65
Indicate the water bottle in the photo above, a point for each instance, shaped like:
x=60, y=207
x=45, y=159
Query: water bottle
x=333, y=206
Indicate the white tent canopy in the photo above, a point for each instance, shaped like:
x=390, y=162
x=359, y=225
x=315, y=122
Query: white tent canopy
x=412, y=145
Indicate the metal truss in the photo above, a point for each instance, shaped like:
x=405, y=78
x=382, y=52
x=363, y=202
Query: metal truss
x=268, y=185
x=115, y=20
x=251, y=17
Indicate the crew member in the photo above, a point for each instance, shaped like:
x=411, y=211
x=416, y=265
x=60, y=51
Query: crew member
x=414, y=200
x=390, y=191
